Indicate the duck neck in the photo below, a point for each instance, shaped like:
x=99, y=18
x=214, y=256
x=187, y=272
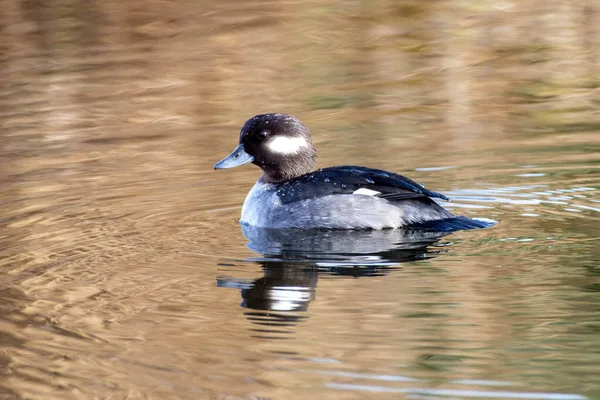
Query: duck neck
x=279, y=175
x=289, y=168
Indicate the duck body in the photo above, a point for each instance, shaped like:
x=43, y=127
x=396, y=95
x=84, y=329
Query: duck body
x=289, y=195
x=345, y=197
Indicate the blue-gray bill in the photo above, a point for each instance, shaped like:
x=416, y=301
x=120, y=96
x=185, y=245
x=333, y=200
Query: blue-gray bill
x=235, y=159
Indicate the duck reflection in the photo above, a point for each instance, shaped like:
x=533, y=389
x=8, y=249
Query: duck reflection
x=293, y=259
x=330, y=248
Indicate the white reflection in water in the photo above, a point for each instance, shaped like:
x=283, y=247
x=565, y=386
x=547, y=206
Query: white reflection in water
x=522, y=195
x=530, y=175
x=434, y=168
x=462, y=393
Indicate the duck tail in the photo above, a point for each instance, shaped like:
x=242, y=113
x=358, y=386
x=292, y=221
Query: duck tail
x=454, y=224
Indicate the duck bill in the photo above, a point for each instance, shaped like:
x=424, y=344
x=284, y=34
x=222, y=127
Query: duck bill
x=235, y=159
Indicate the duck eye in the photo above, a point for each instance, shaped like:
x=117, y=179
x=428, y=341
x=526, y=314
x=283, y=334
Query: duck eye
x=263, y=134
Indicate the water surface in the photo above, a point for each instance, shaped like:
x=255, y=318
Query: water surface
x=125, y=275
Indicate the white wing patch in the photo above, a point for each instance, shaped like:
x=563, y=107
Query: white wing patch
x=366, y=192
x=287, y=145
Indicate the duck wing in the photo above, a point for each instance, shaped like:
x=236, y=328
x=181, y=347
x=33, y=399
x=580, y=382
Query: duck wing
x=354, y=180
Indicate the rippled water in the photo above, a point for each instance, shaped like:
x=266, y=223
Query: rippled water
x=125, y=275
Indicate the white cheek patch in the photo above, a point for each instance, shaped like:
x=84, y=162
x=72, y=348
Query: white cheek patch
x=366, y=192
x=287, y=145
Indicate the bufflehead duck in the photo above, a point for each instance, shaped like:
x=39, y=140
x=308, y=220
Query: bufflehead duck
x=289, y=195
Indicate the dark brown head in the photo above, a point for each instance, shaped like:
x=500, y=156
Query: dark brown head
x=278, y=143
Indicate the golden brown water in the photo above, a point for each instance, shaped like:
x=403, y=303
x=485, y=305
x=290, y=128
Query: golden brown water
x=124, y=273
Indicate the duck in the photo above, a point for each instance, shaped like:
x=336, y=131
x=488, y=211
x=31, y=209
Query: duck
x=291, y=194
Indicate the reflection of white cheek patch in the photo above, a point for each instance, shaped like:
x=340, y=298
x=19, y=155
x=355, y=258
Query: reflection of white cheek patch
x=366, y=192
x=287, y=145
